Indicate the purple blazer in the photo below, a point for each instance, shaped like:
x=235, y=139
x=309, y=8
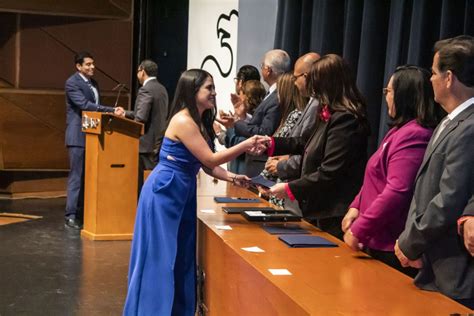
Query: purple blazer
x=389, y=180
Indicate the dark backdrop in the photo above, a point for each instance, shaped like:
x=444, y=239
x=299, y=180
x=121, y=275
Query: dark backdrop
x=161, y=34
x=374, y=36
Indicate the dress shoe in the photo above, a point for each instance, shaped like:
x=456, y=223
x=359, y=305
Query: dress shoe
x=73, y=223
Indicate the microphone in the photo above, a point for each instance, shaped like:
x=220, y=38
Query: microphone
x=118, y=88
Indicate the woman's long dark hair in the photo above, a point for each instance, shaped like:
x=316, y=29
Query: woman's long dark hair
x=185, y=97
x=332, y=83
x=413, y=97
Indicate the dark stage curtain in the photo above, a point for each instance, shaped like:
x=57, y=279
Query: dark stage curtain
x=159, y=30
x=374, y=36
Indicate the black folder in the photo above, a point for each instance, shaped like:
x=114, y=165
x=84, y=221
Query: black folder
x=283, y=229
x=238, y=210
x=305, y=241
x=225, y=199
x=271, y=216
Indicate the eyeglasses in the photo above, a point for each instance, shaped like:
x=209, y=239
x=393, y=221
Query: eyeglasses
x=236, y=79
x=297, y=76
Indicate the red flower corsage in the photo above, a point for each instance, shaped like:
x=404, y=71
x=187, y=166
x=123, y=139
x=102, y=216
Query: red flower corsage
x=324, y=114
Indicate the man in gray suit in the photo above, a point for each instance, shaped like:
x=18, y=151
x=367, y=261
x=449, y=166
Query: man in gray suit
x=151, y=109
x=445, y=181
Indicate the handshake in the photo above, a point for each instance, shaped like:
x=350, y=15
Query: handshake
x=258, y=144
x=119, y=111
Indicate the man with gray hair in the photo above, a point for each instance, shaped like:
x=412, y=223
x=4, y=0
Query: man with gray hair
x=267, y=116
x=151, y=109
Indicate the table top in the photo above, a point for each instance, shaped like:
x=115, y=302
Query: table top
x=324, y=280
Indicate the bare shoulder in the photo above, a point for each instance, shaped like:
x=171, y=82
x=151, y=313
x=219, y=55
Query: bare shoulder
x=181, y=119
x=181, y=123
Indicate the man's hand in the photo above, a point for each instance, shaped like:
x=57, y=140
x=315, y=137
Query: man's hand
x=405, y=262
x=469, y=235
x=271, y=165
x=119, y=111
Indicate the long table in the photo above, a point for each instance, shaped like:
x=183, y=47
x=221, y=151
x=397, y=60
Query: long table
x=323, y=281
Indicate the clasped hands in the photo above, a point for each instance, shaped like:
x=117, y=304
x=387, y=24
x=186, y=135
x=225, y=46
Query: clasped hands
x=119, y=111
x=259, y=145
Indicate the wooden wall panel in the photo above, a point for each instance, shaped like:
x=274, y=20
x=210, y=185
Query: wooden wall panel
x=46, y=59
x=7, y=49
x=107, y=9
x=32, y=125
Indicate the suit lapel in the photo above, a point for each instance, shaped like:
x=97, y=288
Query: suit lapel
x=449, y=128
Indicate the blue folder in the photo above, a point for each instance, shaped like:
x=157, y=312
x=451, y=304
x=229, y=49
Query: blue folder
x=304, y=241
x=284, y=229
x=262, y=181
x=225, y=199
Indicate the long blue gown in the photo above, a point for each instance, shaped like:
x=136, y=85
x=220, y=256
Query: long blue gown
x=162, y=272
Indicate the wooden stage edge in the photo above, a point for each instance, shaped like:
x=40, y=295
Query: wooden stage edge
x=104, y=237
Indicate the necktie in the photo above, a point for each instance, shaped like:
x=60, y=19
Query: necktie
x=93, y=90
x=442, y=126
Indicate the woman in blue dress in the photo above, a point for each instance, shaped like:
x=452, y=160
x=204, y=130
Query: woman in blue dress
x=162, y=272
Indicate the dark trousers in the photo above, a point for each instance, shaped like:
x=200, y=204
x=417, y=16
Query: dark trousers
x=75, y=184
x=146, y=161
x=331, y=225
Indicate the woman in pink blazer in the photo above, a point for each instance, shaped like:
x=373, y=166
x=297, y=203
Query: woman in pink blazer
x=378, y=213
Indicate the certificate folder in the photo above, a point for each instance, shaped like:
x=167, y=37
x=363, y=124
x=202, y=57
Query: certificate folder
x=238, y=210
x=262, y=181
x=271, y=216
x=225, y=199
x=283, y=229
x=298, y=241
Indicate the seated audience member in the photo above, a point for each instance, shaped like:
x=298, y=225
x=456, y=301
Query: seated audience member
x=444, y=184
x=291, y=104
x=334, y=153
x=378, y=213
x=466, y=226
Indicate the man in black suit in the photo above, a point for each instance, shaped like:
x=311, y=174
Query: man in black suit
x=267, y=115
x=151, y=109
x=445, y=181
x=82, y=94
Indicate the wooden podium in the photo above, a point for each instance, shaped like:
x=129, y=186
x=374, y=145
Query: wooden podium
x=111, y=176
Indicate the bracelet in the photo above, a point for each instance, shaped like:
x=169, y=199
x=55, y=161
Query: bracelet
x=233, y=179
